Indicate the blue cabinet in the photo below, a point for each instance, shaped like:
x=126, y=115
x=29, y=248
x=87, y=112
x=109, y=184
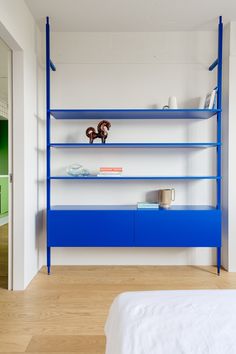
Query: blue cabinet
x=134, y=228
x=178, y=228
x=90, y=228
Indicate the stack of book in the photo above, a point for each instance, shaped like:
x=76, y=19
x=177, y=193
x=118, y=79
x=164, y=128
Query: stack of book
x=110, y=171
x=143, y=205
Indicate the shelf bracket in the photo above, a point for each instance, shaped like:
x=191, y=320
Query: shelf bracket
x=213, y=65
x=52, y=66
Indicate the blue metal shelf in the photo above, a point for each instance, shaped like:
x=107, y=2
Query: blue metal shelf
x=181, y=226
x=134, y=145
x=132, y=177
x=133, y=113
x=130, y=207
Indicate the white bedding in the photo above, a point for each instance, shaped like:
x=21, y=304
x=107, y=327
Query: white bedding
x=172, y=322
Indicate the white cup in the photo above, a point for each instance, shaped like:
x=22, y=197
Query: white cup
x=172, y=102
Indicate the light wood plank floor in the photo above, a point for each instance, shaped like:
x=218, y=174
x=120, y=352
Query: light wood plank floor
x=3, y=255
x=66, y=311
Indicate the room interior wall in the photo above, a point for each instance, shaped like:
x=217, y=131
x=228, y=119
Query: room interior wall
x=104, y=70
x=4, y=51
x=229, y=148
x=3, y=70
x=133, y=70
x=41, y=142
x=19, y=31
x=225, y=148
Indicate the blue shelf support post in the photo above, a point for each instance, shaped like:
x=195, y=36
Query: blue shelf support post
x=48, y=66
x=218, y=260
x=49, y=259
x=219, y=106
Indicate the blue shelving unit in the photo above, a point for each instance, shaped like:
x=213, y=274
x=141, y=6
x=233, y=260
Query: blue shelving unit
x=181, y=226
x=129, y=207
x=133, y=177
x=134, y=145
x=133, y=113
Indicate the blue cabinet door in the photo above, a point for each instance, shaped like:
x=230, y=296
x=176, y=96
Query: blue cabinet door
x=170, y=228
x=93, y=228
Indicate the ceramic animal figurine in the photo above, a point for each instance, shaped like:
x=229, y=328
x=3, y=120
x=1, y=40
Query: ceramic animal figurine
x=91, y=134
x=102, y=131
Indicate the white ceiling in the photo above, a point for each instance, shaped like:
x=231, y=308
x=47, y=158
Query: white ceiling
x=131, y=15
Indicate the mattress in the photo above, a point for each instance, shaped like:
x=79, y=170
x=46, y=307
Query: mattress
x=172, y=322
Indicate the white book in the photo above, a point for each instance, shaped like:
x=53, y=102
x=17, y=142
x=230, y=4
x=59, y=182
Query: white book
x=141, y=205
x=109, y=174
x=210, y=99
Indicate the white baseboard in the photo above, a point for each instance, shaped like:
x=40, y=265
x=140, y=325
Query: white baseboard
x=3, y=220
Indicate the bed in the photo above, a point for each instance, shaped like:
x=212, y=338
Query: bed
x=172, y=322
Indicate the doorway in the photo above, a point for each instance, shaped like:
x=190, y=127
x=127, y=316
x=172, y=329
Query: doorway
x=5, y=166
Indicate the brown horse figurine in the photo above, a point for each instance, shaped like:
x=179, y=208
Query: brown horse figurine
x=102, y=132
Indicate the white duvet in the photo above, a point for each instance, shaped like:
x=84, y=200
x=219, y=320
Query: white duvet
x=172, y=322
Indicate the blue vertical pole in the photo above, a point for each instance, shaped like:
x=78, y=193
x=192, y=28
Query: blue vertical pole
x=219, y=106
x=218, y=260
x=48, y=131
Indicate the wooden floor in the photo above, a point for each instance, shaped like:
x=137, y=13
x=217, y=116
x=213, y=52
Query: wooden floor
x=3, y=255
x=66, y=311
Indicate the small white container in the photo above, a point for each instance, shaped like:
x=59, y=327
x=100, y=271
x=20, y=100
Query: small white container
x=172, y=102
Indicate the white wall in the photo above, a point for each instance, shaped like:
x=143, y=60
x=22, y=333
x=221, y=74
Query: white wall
x=232, y=149
x=225, y=146
x=229, y=148
x=125, y=70
x=105, y=70
x=18, y=29
x=3, y=71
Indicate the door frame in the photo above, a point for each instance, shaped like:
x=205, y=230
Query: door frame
x=17, y=239
x=10, y=173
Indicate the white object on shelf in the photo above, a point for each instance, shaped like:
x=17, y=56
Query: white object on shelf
x=109, y=174
x=202, y=102
x=77, y=170
x=210, y=99
x=172, y=102
x=142, y=205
